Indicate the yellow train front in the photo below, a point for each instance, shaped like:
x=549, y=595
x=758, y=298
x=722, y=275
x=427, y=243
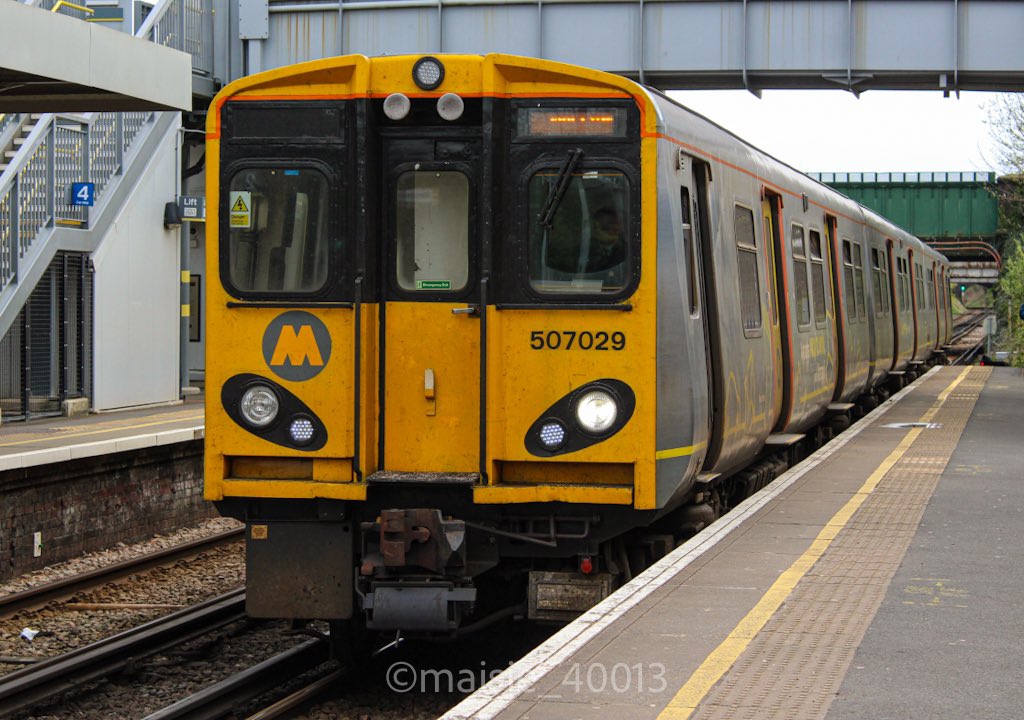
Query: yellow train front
x=431, y=346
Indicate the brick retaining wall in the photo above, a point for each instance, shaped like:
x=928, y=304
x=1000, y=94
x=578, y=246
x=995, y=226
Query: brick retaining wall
x=92, y=504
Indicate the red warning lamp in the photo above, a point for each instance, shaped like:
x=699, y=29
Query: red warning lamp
x=586, y=565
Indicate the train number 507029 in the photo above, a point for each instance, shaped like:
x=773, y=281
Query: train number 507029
x=577, y=340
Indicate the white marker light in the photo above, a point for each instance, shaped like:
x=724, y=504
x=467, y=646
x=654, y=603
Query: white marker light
x=450, y=106
x=397, y=106
x=552, y=435
x=301, y=431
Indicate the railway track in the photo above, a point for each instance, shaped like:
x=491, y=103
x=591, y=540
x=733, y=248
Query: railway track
x=242, y=688
x=963, y=347
x=50, y=678
x=65, y=588
x=966, y=323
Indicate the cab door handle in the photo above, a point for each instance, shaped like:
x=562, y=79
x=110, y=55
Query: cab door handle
x=429, y=392
x=469, y=310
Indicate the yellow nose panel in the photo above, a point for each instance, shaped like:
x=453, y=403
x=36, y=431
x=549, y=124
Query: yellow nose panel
x=432, y=388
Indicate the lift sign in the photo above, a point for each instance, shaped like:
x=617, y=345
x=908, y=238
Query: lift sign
x=83, y=194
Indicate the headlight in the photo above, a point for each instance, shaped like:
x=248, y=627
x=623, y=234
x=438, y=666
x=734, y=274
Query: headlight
x=259, y=405
x=596, y=411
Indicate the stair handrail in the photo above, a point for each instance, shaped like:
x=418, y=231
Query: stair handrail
x=177, y=36
x=155, y=15
x=10, y=126
x=31, y=198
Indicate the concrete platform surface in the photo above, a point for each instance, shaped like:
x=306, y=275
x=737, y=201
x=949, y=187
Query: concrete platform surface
x=842, y=590
x=39, y=442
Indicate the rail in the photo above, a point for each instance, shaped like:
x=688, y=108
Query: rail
x=220, y=699
x=49, y=678
x=67, y=587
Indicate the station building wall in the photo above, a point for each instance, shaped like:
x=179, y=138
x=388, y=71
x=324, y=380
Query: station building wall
x=137, y=294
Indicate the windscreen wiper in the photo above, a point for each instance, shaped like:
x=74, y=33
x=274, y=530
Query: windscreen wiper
x=558, y=188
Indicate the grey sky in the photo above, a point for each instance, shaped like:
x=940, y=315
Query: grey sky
x=884, y=131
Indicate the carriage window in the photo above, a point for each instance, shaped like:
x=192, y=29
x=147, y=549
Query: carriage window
x=900, y=299
x=803, y=300
x=432, y=230
x=858, y=280
x=817, y=276
x=582, y=246
x=690, y=240
x=746, y=260
x=851, y=303
x=886, y=300
x=277, y=222
x=880, y=273
x=920, y=282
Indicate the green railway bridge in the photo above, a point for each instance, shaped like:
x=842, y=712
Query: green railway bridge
x=955, y=212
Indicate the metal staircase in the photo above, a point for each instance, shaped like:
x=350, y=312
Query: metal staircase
x=13, y=134
x=41, y=156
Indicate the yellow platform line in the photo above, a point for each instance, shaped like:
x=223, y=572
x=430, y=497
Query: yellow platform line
x=87, y=433
x=728, y=652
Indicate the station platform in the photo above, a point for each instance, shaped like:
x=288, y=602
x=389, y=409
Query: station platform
x=878, y=579
x=53, y=440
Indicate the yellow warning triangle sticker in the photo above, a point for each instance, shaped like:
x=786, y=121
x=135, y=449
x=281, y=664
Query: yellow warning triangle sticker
x=239, y=206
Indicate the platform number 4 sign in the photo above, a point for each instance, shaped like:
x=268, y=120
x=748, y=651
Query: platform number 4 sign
x=83, y=193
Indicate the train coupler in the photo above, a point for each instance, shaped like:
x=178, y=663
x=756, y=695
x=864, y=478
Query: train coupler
x=413, y=572
x=417, y=606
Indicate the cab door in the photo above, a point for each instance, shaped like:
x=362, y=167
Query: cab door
x=430, y=330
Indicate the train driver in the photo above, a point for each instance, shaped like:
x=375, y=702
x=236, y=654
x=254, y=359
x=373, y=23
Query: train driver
x=607, y=243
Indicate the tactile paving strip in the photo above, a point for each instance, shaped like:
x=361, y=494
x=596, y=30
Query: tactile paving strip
x=796, y=664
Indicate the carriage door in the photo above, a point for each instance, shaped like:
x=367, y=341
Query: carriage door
x=430, y=326
x=771, y=219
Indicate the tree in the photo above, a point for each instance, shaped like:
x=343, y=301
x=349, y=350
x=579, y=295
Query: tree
x=1011, y=297
x=1006, y=126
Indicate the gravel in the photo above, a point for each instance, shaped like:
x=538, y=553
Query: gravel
x=155, y=682
x=61, y=630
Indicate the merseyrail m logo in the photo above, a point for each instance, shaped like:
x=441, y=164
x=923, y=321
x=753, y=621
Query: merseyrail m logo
x=296, y=345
